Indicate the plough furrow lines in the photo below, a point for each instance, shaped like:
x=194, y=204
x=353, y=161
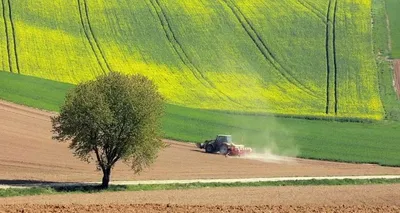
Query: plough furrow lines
x=331, y=61
x=88, y=35
x=13, y=35
x=263, y=48
x=163, y=19
x=7, y=36
x=316, y=12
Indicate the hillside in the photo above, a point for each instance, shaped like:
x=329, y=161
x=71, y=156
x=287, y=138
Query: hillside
x=375, y=142
x=293, y=57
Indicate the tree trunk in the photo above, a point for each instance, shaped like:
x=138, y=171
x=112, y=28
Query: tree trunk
x=106, y=178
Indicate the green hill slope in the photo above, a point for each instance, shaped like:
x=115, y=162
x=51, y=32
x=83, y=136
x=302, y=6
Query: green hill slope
x=293, y=57
x=375, y=142
x=393, y=7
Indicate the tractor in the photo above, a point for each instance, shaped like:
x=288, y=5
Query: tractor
x=223, y=145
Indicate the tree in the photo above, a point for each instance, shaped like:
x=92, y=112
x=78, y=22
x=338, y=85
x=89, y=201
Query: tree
x=113, y=117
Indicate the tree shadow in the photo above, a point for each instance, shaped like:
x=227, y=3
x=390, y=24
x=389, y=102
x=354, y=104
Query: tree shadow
x=61, y=186
x=16, y=182
x=86, y=188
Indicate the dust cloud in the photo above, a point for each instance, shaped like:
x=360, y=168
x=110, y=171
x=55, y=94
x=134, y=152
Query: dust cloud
x=270, y=139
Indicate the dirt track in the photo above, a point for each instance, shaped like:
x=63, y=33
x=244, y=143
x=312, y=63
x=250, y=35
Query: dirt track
x=28, y=153
x=397, y=76
x=370, y=198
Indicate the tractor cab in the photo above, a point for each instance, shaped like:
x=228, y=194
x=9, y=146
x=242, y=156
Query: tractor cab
x=223, y=139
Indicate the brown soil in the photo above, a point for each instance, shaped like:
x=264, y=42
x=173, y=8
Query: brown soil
x=397, y=76
x=368, y=198
x=145, y=208
x=29, y=153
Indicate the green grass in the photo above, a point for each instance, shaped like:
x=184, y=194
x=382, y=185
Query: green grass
x=249, y=56
x=374, y=142
x=393, y=8
x=12, y=192
x=381, y=48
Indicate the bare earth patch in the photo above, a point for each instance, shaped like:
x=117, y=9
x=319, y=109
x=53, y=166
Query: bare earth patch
x=397, y=76
x=368, y=198
x=29, y=153
x=146, y=208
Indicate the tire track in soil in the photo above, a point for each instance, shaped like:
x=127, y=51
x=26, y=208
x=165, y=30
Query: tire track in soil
x=7, y=36
x=397, y=76
x=334, y=56
x=183, y=55
x=13, y=35
x=87, y=35
x=96, y=42
x=315, y=11
x=263, y=48
x=329, y=59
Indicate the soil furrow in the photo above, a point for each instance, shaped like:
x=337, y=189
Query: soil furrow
x=7, y=36
x=263, y=48
x=334, y=56
x=183, y=55
x=184, y=208
x=316, y=12
x=96, y=42
x=88, y=37
x=13, y=35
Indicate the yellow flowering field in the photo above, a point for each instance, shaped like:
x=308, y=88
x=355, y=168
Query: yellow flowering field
x=293, y=57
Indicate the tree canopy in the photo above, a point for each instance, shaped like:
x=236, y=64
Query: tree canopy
x=113, y=117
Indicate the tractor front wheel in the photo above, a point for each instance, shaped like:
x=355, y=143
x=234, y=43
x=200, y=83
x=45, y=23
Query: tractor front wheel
x=209, y=148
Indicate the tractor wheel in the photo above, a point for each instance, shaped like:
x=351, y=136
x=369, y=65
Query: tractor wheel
x=223, y=150
x=209, y=148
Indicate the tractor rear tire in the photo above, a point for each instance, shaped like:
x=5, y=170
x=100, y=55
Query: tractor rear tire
x=223, y=150
x=209, y=148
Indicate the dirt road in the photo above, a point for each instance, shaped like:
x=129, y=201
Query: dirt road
x=29, y=154
x=369, y=198
x=397, y=76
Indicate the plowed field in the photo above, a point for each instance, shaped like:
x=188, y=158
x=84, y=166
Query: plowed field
x=29, y=153
x=371, y=198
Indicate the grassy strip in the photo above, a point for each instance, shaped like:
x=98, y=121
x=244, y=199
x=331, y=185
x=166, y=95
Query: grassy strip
x=375, y=142
x=12, y=192
x=381, y=48
x=393, y=7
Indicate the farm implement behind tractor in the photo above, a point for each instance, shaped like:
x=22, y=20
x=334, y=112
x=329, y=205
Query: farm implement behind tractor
x=223, y=144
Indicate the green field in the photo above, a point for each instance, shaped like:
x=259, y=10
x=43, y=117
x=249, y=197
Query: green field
x=382, y=51
x=292, y=57
x=393, y=8
x=375, y=142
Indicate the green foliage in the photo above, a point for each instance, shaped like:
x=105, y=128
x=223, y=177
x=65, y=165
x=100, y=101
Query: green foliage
x=115, y=117
x=371, y=142
x=393, y=8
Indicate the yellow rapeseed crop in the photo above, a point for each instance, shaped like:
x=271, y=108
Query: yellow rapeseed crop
x=232, y=55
